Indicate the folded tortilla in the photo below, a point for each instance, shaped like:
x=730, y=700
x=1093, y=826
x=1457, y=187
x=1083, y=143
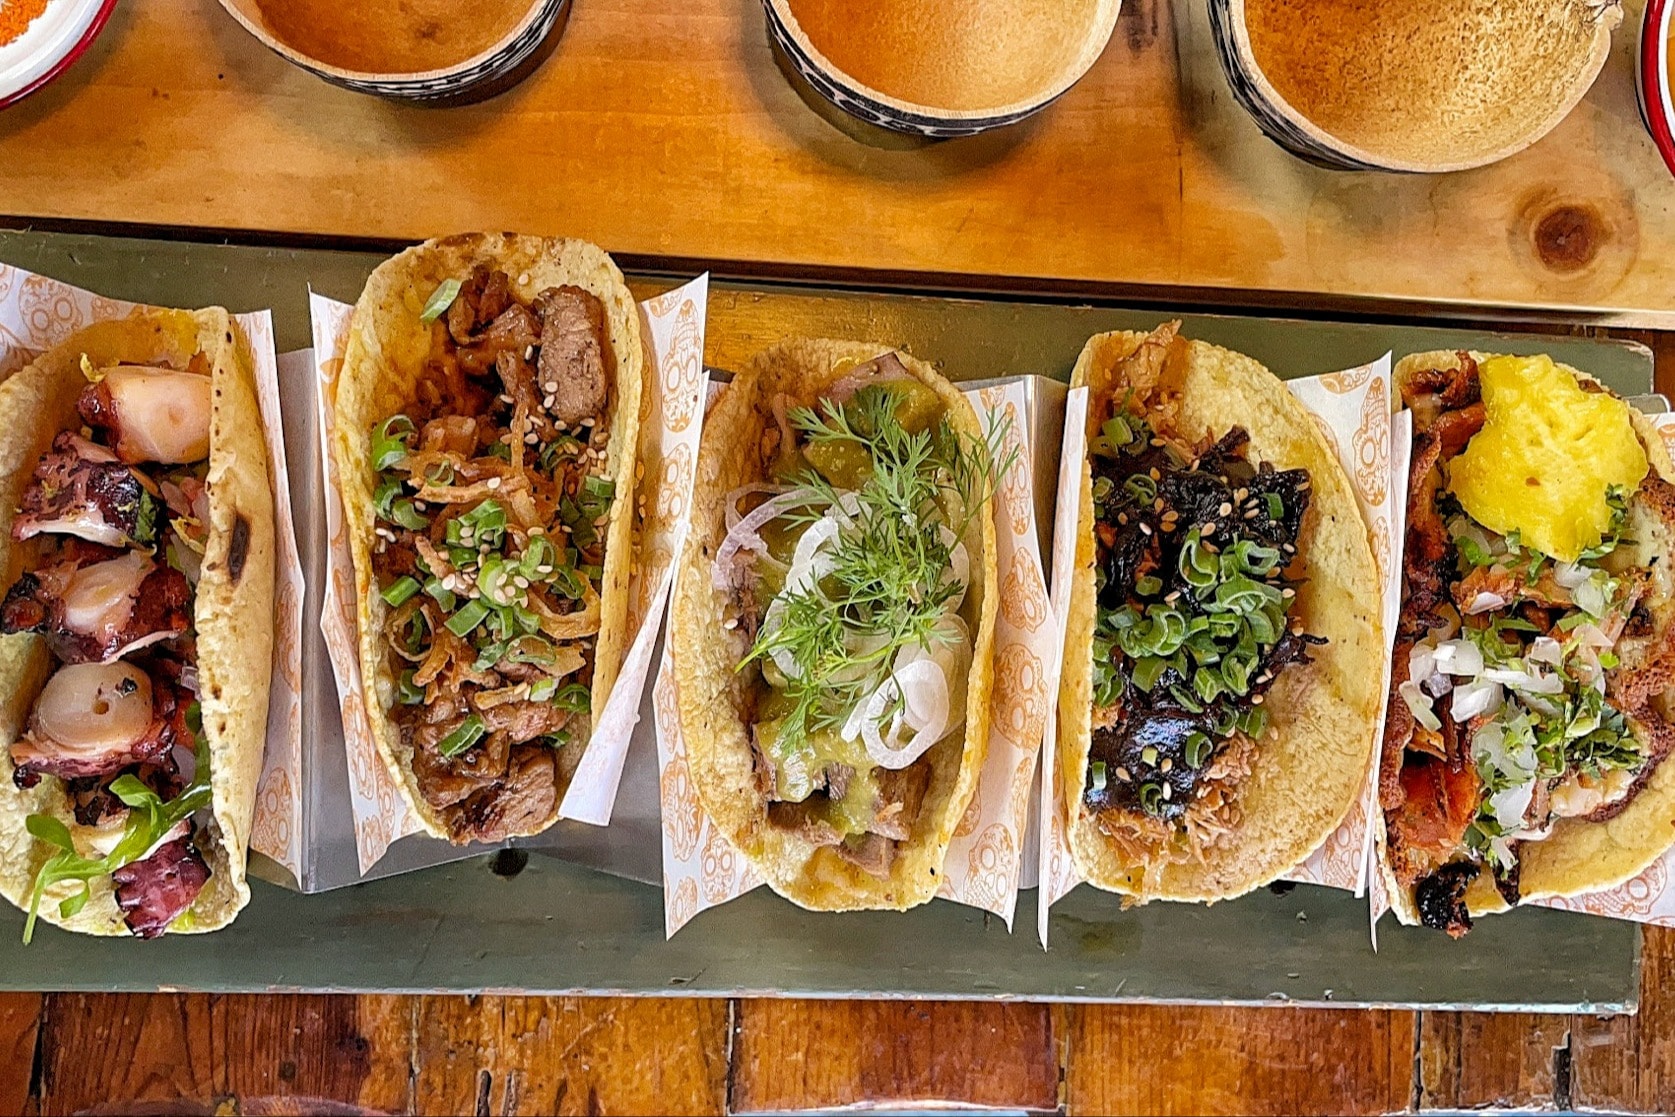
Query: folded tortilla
x=388, y=345
x=1580, y=856
x=706, y=654
x=233, y=606
x=1315, y=761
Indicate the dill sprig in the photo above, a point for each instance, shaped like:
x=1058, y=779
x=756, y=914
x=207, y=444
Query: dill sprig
x=891, y=576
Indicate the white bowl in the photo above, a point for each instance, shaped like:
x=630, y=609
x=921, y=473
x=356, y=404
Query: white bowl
x=60, y=35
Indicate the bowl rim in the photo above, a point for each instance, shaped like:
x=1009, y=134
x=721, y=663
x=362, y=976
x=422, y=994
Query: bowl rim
x=1609, y=19
x=1103, y=26
x=371, y=77
x=1654, y=83
x=76, y=49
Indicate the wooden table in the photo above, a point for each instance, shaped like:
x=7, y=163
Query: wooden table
x=663, y=131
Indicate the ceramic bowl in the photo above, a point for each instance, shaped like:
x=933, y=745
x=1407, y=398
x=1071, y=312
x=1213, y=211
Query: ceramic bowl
x=58, y=36
x=428, y=51
x=941, y=68
x=1653, y=77
x=1411, y=85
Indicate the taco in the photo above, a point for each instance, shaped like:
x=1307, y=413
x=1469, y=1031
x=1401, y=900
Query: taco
x=1525, y=742
x=486, y=418
x=137, y=550
x=1221, y=684
x=834, y=620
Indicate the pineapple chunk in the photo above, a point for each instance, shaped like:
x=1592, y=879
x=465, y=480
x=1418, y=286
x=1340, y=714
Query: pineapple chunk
x=1546, y=455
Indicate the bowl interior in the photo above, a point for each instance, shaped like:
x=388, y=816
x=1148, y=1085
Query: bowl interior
x=56, y=31
x=1429, y=81
x=372, y=39
x=953, y=58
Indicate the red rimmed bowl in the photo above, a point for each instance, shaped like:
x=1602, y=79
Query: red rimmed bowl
x=1653, y=79
x=58, y=36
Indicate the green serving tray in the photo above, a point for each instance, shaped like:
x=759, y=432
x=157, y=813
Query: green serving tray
x=512, y=921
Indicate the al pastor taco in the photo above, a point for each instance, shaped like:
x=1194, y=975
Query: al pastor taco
x=834, y=619
x=1221, y=684
x=1524, y=751
x=137, y=551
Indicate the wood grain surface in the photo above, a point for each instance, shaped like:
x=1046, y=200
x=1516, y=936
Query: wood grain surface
x=666, y=129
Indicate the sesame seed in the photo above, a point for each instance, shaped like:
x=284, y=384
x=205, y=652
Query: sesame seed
x=1256, y=700
x=1157, y=442
x=521, y=582
x=1225, y=509
x=523, y=280
x=1122, y=518
x=1211, y=548
x=1168, y=765
x=532, y=438
x=730, y=623
x=550, y=386
x=529, y=352
x=1240, y=494
x=1157, y=505
x=1168, y=791
x=1208, y=529
x=1288, y=592
x=537, y=531
x=493, y=482
x=1145, y=529
x=544, y=568
x=1273, y=734
x=1171, y=597
x=548, y=400
x=419, y=505
x=483, y=549
x=1122, y=774
x=504, y=398
x=587, y=422
x=1156, y=476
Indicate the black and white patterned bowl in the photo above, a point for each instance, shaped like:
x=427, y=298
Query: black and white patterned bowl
x=1292, y=128
x=928, y=121
x=492, y=71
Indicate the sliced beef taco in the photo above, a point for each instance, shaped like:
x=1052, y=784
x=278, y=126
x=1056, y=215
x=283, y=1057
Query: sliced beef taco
x=487, y=415
x=834, y=619
x=1221, y=685
x=137, y=551
x=1525, y=742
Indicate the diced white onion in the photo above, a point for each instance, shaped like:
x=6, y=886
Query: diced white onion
x=1545, y=649
x=1485, y=602
x=1569, y=575
x=1479, y=696
x=1459, y=657
x=1510, y=805
x=1528, y=682
x=1420, y=705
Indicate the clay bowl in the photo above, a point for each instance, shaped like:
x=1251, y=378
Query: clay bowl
x=429, y=51
x=1653, y=77
x=940, y=68
x=57, y=37
x=1414, y=85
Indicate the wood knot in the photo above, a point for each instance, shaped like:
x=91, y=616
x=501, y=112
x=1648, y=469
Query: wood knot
x=1568, y=237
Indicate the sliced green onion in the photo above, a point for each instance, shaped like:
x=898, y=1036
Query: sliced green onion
x=573, y=697
x=469, y=732
x=1197, y=750
x=1149, y=585
x=442, y=595
x=602, y=488
x=407, y=692
x=1098, y=770
x=1274, y=506
x=440, y=300
x=1151, y=798
x=470, y=615
x=389, y=441
x=399, y=591
x=408, y=516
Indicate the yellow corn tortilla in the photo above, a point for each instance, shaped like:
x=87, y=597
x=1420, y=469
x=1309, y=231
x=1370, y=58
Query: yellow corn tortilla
x=233, y=607
x=705, y=653
x=1580, y=856
x=388, y=346
x=1323, y=714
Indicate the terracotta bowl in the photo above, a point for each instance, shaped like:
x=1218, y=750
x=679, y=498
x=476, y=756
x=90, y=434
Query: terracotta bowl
x=1653, y=76
x=938, y=68
x=58, y=36
x=430, y=51
x=1411, y=85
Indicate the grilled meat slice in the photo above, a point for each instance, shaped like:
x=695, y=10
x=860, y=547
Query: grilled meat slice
x=81, y=489
x=150, y=414
x=572, y=363
x=152, y=893
x=92, y=609
x=96, y=719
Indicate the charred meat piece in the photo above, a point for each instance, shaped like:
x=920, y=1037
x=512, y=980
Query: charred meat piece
x=515, y=331
x=1441, y=898
x=482, y=298
x=98, y=611
x=150, y=414
x=152, y=893
x=81, y=489
x=520, y=801
x=572, y=364
x=871, y=852
x=96, y=719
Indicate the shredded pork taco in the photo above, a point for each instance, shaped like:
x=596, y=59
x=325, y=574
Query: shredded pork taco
x=834, y=619
x=1221, y=678
x=1525, y=742
x=487, y=415
x=136, y=544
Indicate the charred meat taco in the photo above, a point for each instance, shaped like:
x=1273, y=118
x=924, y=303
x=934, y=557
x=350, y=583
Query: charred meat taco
x=487, y=414
x=1525, y=742
x=136, y=541
x=1221, y=679
x=834, y=619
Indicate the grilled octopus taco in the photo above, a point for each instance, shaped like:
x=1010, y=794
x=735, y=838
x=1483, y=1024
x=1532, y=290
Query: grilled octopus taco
x=1221, y=682
x=137, y=551
x=1525, y=742
x=834, y=619
x=487, y=414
